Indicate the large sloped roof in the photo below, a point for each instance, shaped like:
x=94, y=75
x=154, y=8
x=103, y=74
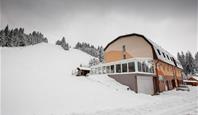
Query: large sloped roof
x=160, y=52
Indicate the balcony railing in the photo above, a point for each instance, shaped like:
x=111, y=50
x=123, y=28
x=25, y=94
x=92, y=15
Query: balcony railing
x=126, y=66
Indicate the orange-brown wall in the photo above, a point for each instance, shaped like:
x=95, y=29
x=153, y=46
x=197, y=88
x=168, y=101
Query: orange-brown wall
x=168, y=70
x=178, y=73
x=135, y=47
x=165, y=69
x=115, y=56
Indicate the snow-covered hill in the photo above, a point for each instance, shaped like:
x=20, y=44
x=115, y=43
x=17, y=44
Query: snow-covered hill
x=37, y=80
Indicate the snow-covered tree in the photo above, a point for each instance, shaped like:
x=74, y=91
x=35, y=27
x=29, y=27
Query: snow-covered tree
x=16, y=37
x=189, y=63
x=87, y=48
x=196, y=61
x=93, y=61
x=101, y=54
x=63, y=44
x=181, y=57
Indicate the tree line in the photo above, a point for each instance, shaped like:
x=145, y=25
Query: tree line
x=16, y=37
x=188, y=62
x=91, y=50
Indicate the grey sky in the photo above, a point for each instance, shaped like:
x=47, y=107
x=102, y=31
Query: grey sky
x=170, y=23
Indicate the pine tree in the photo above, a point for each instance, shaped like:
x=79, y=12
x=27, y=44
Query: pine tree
x=16, y=37
x=63, y=44
x=196, y=61
x=182, y=60
x=189, y=63
x=101, y=54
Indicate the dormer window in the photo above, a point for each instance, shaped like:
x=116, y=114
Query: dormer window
x=163, y=54
x=168, y=57
x=158, y=51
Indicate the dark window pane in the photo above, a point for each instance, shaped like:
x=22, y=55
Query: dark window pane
x=139, y=66
x=143, y=67
x=163, y=54
x=131, y=66
x=167, y=57
x=158, y=51
x=112, y=68
x=118, y=68
x=124, y=67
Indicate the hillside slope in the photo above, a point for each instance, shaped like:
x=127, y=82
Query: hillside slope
x=37, y=80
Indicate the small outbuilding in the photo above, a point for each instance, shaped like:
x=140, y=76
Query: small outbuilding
x=82, y=71
x=193, y=80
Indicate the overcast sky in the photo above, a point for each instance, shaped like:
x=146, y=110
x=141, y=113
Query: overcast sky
x=170, y=23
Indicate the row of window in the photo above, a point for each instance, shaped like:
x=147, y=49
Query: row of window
x=165, y=55
x=144, y=66
x=169, y=58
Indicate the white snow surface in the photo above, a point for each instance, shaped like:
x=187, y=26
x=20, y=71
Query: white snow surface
x=37, y=80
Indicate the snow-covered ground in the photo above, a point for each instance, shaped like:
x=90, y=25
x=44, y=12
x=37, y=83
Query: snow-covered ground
x=37, y=80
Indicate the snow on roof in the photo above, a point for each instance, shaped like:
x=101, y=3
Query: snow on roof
x=190, y=81
x=84, y=68
x=195, y=77
x=164, y=55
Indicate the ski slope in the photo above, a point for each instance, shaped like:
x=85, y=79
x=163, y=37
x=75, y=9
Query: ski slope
x=38, y=80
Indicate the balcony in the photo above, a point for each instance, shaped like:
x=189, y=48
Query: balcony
x=126, y=66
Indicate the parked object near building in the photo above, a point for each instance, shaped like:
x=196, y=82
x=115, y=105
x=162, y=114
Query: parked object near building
x=139, y=63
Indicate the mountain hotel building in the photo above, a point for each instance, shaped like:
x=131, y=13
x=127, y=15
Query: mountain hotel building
x=139, y=63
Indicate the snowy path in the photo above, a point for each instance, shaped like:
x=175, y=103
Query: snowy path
x=168, y=103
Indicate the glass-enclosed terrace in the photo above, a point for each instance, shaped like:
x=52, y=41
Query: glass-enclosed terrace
x=127, y=66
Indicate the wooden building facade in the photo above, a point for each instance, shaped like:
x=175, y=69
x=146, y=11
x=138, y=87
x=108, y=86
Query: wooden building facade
x=141, y=64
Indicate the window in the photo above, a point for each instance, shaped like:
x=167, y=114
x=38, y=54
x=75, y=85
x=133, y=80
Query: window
x=163, y=54
x=99, y=70
x=151, y=69
x=103, y=69
x=172, y=59
x=143, y=67
x=118, y=68
x=124, y=56
x=124, y=67
x=131, y=66
x=158, y=51
x=123, y=48
x=139, y=66
x=112, y=68
x=146, y=66
x=168, y=57
x=108, y=69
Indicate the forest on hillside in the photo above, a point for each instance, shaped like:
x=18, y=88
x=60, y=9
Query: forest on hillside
x=17, y=38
